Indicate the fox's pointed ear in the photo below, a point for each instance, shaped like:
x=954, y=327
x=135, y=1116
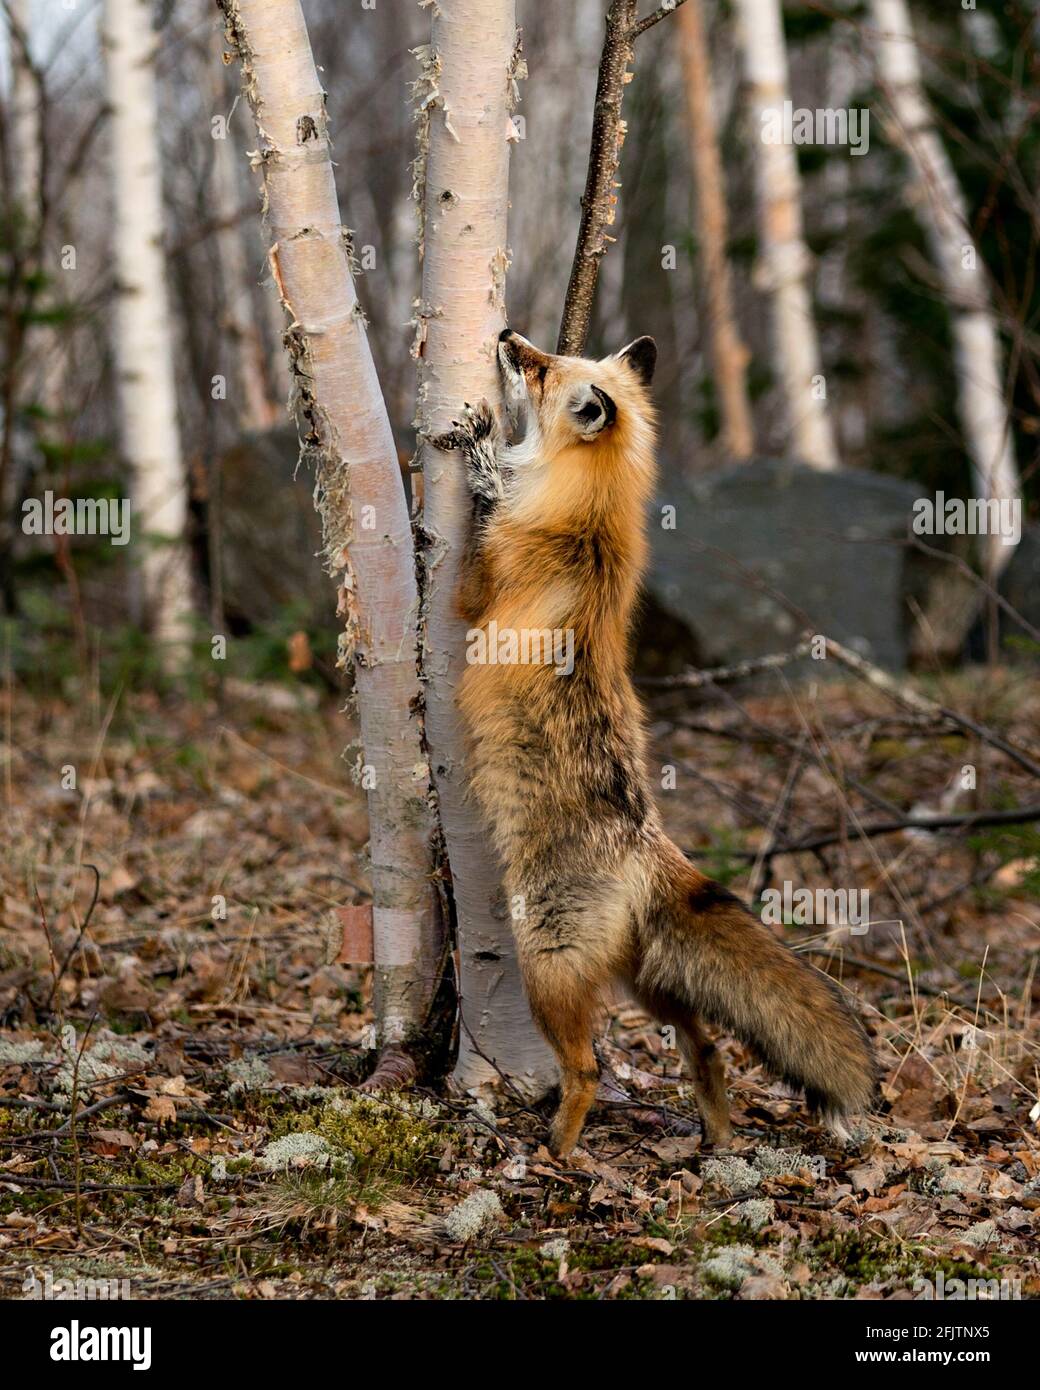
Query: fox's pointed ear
x=641, y=356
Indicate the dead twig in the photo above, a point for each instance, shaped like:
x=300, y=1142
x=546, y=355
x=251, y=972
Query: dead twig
x=655, y=17
x=82, y=931
x=921, y=821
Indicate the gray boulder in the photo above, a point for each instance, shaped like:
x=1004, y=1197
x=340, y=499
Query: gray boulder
x=832, y=544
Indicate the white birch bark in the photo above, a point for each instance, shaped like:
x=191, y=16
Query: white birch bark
x=836, y=289
x=784, y=261
x=938, y=199
x=25, y=115
x=464, y=95
x=368, y=541
x=143, y=341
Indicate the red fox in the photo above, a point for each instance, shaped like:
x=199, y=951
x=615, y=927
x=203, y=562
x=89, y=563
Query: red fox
x=600, y=894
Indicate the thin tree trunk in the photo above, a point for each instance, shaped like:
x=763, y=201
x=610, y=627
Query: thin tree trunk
x=25, y=115
x=784, y=260
x=22, y=339
x=143, y=342
x=368, y=543
x=253, y=409
x=939, y=200
x=464, y=94
x=599, y=201
x=837, y=291
x=729, y=355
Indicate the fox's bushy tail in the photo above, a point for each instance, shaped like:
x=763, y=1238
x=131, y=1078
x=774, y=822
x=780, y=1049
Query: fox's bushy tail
x=703, y=949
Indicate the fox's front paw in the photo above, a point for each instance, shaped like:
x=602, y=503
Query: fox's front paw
x=479, y=421
x=453, y=439
x=477, y=424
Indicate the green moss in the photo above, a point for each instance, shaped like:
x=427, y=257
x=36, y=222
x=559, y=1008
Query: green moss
x=859, y=1258
x=536, y=1275
x=396, y=1136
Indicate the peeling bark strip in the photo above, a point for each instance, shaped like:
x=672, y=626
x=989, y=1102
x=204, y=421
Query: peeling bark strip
x=142, y=344
x=463, y=96
x=599, y=201
x=345, y=430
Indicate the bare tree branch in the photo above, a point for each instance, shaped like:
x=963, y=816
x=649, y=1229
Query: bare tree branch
x=655, y=17
x=599, y=201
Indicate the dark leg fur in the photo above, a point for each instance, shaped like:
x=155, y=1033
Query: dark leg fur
x=702, y=1062
x=477, y=437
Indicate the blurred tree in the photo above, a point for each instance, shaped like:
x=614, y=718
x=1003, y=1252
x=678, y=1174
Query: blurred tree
x=26, y=112
x=728, y=354
x=254, y=409
x=939, y=201
x=784, y=260
x=142, y=338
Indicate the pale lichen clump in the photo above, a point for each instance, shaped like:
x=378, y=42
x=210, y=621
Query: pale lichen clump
x=99, y=1061
x=303, y=1149
x=735, y=1174
x=775, y=1163
x=18, y=1054
x=476, y=1213
x=556, y=1249
x=980, y=1234
x=757, y=1212
x=730, y=1266
x=247, y=1074
x=731, y=1174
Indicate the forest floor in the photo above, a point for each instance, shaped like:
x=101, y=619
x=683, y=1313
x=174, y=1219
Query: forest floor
x=177, y=1087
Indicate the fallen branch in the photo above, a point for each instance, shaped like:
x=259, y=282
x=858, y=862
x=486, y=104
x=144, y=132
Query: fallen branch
x=909, y=699
x=740, y=670
x=890, y=973
x=922, y=821
x=900, y=692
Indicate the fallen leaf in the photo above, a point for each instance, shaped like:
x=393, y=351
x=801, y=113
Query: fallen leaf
x=161, y=1109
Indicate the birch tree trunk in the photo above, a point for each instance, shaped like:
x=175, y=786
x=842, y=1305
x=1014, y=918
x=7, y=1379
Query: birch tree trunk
x=21, y=339
x=143, y=342
x=464, y=94
x=837, y=291
x=344, y=428
x=25, y=115
x=784, y=264
x=728, y=354
x=938, y=199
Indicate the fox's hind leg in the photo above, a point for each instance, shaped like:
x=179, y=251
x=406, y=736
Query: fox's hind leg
x=703, y=1063
x=565, y=1006
x=709, y=1081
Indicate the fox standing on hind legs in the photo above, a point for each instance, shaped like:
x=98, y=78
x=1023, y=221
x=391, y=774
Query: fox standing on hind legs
x=557, y=760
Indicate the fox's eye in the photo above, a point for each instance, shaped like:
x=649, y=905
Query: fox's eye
x=593, y=410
